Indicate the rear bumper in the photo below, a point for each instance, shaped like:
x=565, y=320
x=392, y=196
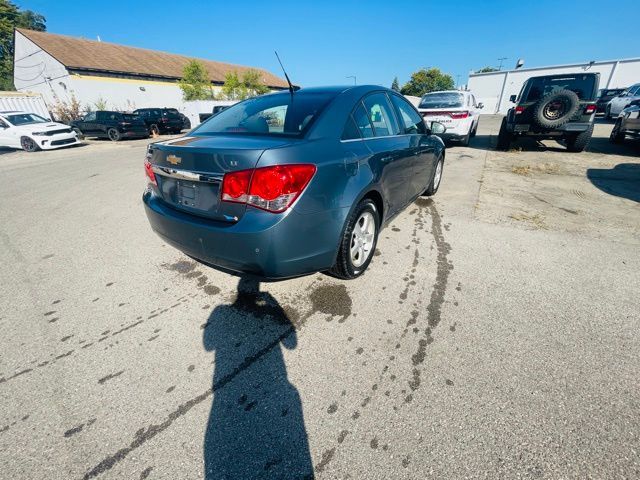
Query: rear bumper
x=526, y=129
x=271, y=246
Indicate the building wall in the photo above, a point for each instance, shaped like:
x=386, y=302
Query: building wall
x=494, y=89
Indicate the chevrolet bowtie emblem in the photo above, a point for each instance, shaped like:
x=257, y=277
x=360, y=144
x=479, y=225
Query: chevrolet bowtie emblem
x=173, y=160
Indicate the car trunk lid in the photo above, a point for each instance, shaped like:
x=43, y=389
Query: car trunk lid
x=189, y=170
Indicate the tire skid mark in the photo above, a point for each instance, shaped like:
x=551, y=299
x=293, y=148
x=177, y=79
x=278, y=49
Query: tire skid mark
x=101, y=338
x=434, y=308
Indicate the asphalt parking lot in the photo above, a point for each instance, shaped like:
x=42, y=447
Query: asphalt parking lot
x=495, y=334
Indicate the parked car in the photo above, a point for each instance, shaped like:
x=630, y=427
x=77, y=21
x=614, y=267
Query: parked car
x=627, y=123
x=32, y=132
x=604, y=96
x=161, y=120
x=186, y=123
x=112, y=125
x=287, y=184
x=619, y=103
x=457, y=110
x=215, y=110
x=559, y=107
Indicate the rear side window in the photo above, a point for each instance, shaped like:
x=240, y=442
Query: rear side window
x=381, y=115
x=351, y=131
x=362, y=121
x=411, y=120
x=581, y=85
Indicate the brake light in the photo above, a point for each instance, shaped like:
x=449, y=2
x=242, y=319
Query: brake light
x=519, y=109
x=589, y=109
x=459, y=115
x=148, y=170
x=272, y=188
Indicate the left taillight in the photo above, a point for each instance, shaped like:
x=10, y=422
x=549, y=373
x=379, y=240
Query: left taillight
x=148, y=170
x=273, y=189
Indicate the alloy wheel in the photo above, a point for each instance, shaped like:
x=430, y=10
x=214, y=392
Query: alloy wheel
x=362, y=239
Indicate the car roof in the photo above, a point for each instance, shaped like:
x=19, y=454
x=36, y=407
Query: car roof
x=447, y=91
x=7, y=112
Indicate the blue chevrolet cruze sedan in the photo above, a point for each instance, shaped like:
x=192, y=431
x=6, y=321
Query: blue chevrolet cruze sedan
x=292, y=183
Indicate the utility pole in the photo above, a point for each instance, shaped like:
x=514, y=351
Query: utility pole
x=354, y=78
x=502, y=59
x=458, y=82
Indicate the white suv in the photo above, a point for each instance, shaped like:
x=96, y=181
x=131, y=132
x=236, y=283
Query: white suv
x=619, y=103
x=457, y=110
x=31, y=132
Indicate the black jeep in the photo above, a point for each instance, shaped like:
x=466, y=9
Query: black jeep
x=559, y=107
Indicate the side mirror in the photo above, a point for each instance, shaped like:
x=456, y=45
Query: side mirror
x=437, y=128
x=512, y=98
x=481, y=105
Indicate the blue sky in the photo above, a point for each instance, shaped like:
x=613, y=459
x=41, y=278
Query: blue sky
x=322, y=42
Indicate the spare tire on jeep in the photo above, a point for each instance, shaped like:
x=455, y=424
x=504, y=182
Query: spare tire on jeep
x=555, y=109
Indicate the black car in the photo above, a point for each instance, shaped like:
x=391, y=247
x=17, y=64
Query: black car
x=559, y=107
x=112, y=125
x=605, y=96
x=186, y=123
x=161, y=120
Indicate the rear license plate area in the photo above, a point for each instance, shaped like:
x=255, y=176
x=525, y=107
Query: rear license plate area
x=187, y=194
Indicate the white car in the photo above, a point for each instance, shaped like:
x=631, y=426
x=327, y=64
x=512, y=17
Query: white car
x=619, y=103
x=457, y=110
x=31, y=132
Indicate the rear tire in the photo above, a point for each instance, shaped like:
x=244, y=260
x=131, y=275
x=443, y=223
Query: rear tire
x=617, y=135
x=28, y=145
x=504, y=137
x=475, y=129
x=350, y=265
x=113, y=134
x=607, y=114
x=579, y=142
x=154, y=131
x=432, y=189
x=464, y=141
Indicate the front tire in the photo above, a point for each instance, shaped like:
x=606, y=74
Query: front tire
x=28, y=145
x=432, y=189
x=154, y=130
x=358, y=241
x=113, y=134
x=607, y=114
x=79, y=133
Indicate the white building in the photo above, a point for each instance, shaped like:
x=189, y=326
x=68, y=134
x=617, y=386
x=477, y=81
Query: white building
x=116, y=76
x=494, y=88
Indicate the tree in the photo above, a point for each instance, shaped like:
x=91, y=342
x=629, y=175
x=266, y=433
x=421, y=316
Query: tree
x=195, y=83
x=487, y=70
x=395, y=85
x=12, y=17
x=240, y=88
x=425, y=81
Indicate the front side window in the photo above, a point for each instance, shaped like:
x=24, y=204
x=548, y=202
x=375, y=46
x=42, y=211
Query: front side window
x=25, y=119
x=277, y=114
x=411, y=120
x=90, y=117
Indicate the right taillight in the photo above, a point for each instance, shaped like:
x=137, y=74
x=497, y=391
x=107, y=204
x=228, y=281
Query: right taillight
x=272, y=188
x=519, y=109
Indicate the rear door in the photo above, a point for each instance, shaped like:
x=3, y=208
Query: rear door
x=392, y=155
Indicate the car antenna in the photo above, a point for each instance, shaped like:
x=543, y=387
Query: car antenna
x=291, y=89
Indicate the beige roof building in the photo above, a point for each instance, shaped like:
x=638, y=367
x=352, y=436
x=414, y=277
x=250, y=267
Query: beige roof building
x=61, y=67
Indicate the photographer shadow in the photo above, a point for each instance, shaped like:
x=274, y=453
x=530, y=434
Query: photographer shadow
x=256, y=425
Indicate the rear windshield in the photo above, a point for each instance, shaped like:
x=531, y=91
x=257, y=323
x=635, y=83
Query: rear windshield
x=277, y=114
x=442, y=100
x=581, y=85
x=25, y=118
